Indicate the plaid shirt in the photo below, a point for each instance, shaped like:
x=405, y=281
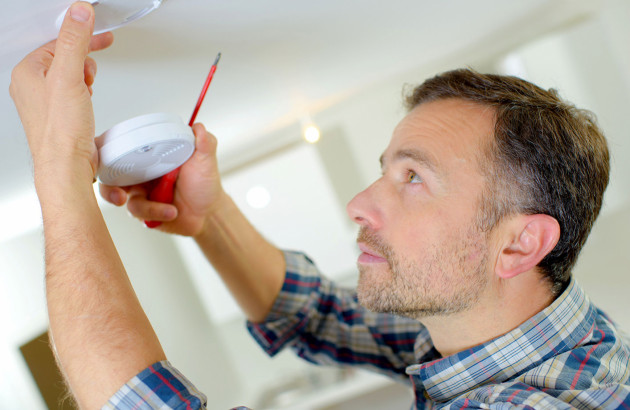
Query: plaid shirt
x=159, y=386
x=568, y=356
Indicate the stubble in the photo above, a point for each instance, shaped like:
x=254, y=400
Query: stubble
x=446, y=278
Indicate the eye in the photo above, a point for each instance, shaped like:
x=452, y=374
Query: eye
x=413, y=178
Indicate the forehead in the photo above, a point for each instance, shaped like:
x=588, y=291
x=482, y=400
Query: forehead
x=452, y=132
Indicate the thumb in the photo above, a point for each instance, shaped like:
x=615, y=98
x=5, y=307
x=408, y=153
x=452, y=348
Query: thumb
x=205, y=143
x=73, y=43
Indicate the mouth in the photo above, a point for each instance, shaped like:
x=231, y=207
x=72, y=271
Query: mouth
x=368, y=255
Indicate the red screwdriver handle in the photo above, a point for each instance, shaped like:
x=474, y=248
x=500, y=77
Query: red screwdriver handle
x=163, y=192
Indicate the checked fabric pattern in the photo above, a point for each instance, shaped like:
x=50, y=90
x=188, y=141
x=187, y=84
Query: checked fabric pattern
x=570, y=355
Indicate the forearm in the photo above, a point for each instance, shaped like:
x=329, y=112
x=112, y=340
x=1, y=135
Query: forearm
x=101, y=334
x=251, y=267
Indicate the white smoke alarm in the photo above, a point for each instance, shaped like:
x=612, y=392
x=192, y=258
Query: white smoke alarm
x=143, y=148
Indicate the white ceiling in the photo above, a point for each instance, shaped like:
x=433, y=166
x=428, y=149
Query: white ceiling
x=281, y=59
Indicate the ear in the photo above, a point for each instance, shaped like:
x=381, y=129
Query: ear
x=529, y=238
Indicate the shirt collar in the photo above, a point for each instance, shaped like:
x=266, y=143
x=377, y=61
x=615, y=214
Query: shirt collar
x=556, y=329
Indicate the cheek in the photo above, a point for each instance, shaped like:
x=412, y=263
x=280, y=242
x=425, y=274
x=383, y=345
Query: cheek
x=478, y=248
x=416, y=234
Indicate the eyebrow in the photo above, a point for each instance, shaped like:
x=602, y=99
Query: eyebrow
x=420, y=157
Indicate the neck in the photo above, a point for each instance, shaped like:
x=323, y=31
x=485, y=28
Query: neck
x=504, y=305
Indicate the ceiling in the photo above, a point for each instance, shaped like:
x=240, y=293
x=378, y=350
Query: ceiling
x=281, y=59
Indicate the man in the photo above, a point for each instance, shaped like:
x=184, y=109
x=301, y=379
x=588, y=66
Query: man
x=490, y=186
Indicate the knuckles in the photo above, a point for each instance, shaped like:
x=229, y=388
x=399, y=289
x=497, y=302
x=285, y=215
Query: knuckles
x=32, y=68
x=17, y=76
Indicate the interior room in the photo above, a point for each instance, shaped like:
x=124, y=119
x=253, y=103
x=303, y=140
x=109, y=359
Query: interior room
x=341, y=66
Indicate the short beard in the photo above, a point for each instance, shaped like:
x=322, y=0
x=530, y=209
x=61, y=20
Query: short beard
x=447, y=283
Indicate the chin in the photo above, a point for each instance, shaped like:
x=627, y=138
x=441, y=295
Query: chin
x=376, y=297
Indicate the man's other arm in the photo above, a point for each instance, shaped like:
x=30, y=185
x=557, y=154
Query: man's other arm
x=251, y=267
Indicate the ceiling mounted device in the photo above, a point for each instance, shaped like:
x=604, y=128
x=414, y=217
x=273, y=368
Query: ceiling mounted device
x=111, y=14
x=30, y=27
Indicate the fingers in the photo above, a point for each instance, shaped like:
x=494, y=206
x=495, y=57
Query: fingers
x=137, y=202
x=143, y=209
x=113, y=194
x=73, y=43
x=39, y=61
x=101, y=41
x=97, y=42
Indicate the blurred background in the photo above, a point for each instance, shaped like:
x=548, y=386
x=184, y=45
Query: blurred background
x=340, y=66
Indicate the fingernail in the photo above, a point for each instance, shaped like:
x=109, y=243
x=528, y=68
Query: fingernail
x=80, y=12
x=170, y=213
x=114, y=197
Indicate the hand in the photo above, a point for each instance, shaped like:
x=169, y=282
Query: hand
x=198, y=192
x=51, y=88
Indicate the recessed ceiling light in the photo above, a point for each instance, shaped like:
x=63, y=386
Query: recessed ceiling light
x=258, y=197
x=311, y=134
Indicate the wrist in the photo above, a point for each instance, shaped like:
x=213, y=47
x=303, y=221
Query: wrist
x=222, y=207
x=60, y=166
x=57, y=182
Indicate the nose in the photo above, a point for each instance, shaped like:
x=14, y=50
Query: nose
x=362, y=209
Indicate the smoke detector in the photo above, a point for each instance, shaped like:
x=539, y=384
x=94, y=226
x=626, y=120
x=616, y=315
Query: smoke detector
x=143, y=148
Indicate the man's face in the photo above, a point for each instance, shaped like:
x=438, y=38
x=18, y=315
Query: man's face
x=423, y=254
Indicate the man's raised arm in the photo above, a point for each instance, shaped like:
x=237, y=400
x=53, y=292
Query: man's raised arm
x=100, y=333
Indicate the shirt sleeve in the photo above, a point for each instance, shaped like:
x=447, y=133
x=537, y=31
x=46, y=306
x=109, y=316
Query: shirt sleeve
x=159, y=386
x=325, y=324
